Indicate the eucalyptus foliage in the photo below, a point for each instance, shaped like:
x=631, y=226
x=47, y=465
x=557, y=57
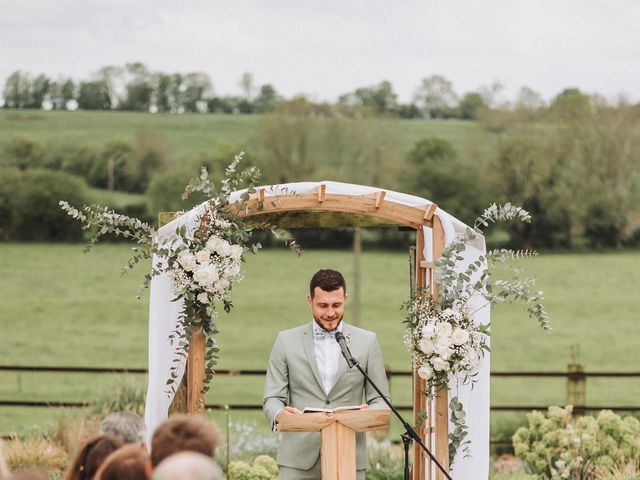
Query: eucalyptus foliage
x=446, y=345
x=202, y=263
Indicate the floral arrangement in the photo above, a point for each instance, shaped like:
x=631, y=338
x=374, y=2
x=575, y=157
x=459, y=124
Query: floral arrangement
x=559, y=446
x=445, y=344
x=203, y=264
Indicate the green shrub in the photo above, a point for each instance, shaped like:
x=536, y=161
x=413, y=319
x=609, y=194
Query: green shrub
x=561, y=447
x=29, y=205
x=264, y=468
x=126, y=393
x=23, y=152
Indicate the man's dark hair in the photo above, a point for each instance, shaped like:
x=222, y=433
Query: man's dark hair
x=328, y=280
x=184, y=433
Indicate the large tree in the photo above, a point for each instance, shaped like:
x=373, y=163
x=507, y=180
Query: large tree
x=436, y=97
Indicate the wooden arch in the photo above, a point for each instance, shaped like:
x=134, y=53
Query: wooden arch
x=319, y=209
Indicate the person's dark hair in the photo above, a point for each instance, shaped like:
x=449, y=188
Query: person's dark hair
x=127, y=463
x=89, y=458
x=328, y=280
x=127, y=426
x=184, y=433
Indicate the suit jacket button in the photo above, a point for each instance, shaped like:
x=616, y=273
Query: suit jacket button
x=327, y=402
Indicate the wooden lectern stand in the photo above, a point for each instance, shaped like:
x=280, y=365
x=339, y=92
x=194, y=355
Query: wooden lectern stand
x=338, y=430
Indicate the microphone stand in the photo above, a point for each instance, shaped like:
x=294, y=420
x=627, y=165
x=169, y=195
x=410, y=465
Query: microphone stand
x=409, y=434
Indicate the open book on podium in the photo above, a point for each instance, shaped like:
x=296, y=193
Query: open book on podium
x=338, y=432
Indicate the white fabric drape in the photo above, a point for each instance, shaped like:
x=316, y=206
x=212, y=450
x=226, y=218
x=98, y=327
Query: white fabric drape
x=163, y=319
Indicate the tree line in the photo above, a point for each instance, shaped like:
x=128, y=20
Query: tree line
x=134, y=87
x=575, y=164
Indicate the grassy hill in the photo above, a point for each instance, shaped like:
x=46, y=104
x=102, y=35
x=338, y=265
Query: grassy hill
x=189, y=133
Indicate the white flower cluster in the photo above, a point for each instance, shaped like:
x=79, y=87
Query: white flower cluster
x=445, y=344
x=208, y=271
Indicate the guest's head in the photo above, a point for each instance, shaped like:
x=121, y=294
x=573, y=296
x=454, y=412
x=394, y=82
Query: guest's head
x=130, y=462
x=90, y=456
x=184, y=433
x=127, y=426
x=187, y=466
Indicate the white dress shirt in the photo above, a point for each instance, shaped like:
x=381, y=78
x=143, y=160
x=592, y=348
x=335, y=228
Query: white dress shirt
x=327, y=352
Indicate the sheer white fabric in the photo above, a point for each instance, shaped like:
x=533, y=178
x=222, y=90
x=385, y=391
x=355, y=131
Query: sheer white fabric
x=163, y=319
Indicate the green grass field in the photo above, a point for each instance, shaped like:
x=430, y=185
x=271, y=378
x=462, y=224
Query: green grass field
x=63, y=308
x=190, y=133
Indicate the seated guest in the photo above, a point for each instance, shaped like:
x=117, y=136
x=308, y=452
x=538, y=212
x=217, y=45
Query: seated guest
x=90, y=457
x=184, y=433
x=187, y=466
x=127, y=426
x=130, y=462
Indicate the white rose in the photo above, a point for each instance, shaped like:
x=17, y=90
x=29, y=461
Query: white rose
x=236, y=251
x=232, y=270
x=187, y=260
x=203, y=298
x=447, y=312
x=203, y=256
x=223, y=283
x=425, y=372
x=428, y=331
x=223, y=248
x=444, y=329
x=426, y=346
x=206, y=275
x=443, y=349
x=213, y=242
x=439, y=364
x=459, y=336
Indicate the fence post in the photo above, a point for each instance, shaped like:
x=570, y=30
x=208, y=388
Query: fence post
x=576, y=383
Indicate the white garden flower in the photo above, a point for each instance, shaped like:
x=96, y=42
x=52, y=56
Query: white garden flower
x=426, y=346
x=428, y=331
x=236, y=251
x=213, y=242
x=203, y=298
x=460, y=337
x=232, y=270
x=203, y=256
x=187, y=260
x=425, y=372
x=447, y=312
x=223, y=248
x=443, y=349
x=439, y=365
x=444, y=329
x=206, y=275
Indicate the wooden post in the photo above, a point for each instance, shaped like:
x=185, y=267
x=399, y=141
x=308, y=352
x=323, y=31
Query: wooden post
x=188, y=397
x=576, y=384
x=420, y=403
x=442, y=398
x=357, y=287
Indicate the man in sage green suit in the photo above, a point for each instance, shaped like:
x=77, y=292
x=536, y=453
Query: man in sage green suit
x=306, y=369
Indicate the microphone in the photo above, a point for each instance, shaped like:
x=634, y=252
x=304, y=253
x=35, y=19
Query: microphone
x=342, y=341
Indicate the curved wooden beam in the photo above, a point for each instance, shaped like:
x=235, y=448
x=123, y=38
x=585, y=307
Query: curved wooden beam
x=372, y=205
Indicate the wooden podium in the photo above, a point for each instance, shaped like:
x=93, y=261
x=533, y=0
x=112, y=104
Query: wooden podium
x=338, y=430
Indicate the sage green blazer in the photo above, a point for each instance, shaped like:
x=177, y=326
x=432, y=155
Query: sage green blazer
x=293, y=379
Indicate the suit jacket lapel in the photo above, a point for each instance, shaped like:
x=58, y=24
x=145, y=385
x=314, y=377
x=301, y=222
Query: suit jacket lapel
x=342, y=363
x=307, y=342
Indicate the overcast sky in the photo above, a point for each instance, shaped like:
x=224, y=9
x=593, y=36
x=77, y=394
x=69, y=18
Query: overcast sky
x=325, y=48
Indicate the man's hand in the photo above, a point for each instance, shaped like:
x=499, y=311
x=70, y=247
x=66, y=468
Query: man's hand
x=364, y=406
x=287, y=411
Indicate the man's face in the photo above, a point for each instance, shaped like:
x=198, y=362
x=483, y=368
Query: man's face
x=327, y=307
